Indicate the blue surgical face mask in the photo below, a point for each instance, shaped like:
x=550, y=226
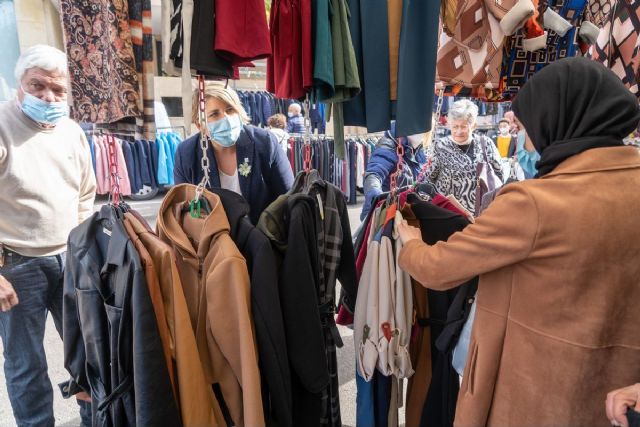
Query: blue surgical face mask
x=527, y=159
x=48, y=113
x=226, y=131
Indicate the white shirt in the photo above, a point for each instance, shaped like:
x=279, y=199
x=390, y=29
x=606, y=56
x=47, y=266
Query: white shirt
x=230, y=182
x=282, y=136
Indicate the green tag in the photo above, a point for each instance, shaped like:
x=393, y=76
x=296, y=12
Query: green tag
x=194, y=209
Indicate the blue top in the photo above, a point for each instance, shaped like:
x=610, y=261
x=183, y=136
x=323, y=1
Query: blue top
x=270, y=172
x=383, y=163
x=163, y=170
x=295, y=124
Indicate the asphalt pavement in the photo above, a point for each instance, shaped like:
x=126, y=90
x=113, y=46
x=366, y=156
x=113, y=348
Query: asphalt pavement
x=66, y=411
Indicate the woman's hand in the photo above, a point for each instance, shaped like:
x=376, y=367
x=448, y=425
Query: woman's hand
x=619, y=400
x=407, y=232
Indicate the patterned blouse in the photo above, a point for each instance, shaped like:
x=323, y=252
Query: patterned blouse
x=453, y=171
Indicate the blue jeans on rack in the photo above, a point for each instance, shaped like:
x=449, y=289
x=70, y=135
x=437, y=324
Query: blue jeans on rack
x=38, y=282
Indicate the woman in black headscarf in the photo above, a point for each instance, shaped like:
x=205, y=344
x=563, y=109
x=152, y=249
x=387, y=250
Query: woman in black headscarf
x=556, y=310
x=585, y=108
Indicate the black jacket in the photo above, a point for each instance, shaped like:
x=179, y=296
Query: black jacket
x=307, y=294
x=265, y=305
x=112, y=347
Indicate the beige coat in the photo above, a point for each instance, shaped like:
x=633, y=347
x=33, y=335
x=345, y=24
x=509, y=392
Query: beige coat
x=198, y=405
x=557, y=321
x=217, y=290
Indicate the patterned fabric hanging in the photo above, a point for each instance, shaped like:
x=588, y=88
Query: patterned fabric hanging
x=618, y=46
x=142, y=40
x=102, y=68
x=520, y=65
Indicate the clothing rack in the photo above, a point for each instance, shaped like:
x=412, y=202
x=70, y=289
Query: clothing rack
x=347, y=174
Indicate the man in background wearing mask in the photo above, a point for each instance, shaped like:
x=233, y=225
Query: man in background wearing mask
x=505, y=142
x=384, y=161
x=47, y=187
x=296, y=121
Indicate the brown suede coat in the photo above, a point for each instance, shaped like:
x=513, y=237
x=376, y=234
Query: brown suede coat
x=216, y=286
x=556, y=325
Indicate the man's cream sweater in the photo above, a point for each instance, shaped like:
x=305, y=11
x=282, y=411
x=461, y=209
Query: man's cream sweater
x=47, y=184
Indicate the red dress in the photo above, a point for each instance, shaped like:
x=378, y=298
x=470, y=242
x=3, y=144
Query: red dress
x=242, y=34
x=290, y=69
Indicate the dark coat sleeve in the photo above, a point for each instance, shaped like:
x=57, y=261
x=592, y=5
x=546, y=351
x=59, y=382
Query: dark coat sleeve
x=346, y=273
x=73, y=343
x=270, y=330
x=154, y=400
x=298, y=295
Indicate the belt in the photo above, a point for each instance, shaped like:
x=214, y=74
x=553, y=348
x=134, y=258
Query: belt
x=428, y=321
x=117, y=393
x=327, y=320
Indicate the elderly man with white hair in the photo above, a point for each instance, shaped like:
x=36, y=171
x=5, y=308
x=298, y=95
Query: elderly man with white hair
x=47, y=187
x=453, y=160
x=296, y=121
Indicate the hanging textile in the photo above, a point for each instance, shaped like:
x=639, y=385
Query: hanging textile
x=433, y=376
x=290, y=68
x=112, y=345
x=217, y=290
x=384, y=310
x=142, y=41
x=166, y=147
x=472, y=57
x=241, y=32
x=354, y=109
x=438, y=219
x=394, y=19
x=346, y=82
x=346, y=174
x=393, y=81
x=103, y=179
x=562, y=20
x=316, y=249
x=265, y=308
x=418, y=47
x=204, y=59
x=618, y=45
x=105, y=85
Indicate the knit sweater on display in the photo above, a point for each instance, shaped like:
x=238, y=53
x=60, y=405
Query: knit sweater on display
x=47, y=185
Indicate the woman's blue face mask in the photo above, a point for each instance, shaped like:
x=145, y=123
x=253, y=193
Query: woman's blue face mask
x=226, y=131
x=527, y=159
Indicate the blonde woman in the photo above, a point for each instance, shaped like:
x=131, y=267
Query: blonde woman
x=243, y=158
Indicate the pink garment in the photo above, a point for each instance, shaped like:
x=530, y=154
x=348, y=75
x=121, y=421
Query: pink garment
x=443, y=202
x=125, y=184
x=103, y=173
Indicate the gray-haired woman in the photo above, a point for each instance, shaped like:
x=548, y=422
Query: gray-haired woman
x=452, y=160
